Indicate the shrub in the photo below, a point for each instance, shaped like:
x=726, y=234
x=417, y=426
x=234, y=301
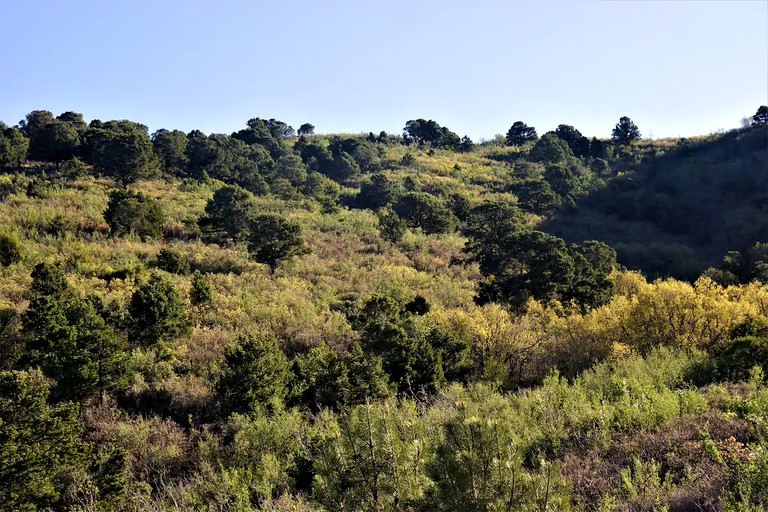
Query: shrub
x=38, y=189
x=735, y=360
x=200, y=294
x=134, y=212
x=10, y=249
x=173, y=262
x=391, y=226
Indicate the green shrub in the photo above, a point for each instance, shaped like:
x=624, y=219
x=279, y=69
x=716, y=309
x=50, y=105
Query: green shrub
x=134, y=212
x=10, y=249
x=38, y=189
x=173, y=262
x=200, y=293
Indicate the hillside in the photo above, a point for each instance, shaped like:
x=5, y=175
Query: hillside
x=679, y=209
x=273, y=321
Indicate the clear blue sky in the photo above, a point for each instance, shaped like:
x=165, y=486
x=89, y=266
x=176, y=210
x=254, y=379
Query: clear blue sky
x=676, y=68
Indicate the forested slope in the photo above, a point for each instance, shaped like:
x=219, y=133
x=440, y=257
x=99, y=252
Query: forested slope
x=272, y=321
x=680, y=208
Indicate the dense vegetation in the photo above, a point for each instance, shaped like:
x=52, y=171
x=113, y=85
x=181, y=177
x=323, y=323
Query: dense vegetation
x=415, y=322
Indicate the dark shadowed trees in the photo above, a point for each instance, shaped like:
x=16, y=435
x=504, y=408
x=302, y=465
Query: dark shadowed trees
x=228, y=215
x=424, y=211
x=13, y=149
x=376, y=194
x=68, y=338
x=489, y=218
x=570, y=136
x=34, y=122
x=524, y=264
x=171, y=149
x=536, y=195
x=38, y=442
x=561, y=179
x=322, y=378
x=550, y=149
x=123, y=150
x=158, y=313
x=55, y=142
x=429, y=132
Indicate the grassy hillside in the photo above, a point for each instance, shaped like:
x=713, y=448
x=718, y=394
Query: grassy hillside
x=422, y=346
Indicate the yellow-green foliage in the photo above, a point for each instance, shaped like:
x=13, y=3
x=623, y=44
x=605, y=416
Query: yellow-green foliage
x=349, y=256
x=516, y=349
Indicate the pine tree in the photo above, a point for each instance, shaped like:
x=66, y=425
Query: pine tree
x=274, y=239
x=38, y=442
x=625, y=131
x=256, y=375
x=159, y=316
x=70, y=341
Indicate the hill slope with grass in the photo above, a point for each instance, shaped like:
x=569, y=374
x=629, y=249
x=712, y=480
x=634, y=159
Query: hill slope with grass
x=260, y=321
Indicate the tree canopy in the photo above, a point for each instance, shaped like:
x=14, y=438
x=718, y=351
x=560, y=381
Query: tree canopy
x=273, y=239
x=228, y=214
x=122, y=149
x=38, y=442
x=625, y=131
x=429, y=132
x=520, y=133
x=761, y=116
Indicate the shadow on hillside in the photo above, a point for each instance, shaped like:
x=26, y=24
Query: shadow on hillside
x=678, y=212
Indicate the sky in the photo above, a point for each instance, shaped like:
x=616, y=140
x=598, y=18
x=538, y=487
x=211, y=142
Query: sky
x=676, y=67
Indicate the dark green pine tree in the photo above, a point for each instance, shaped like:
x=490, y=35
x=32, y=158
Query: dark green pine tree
x=761, y=116
x=70, y=341
x=13, y=149
x=158, y=313
x=134, y=212
x=38, y=442
x=228, y=215
x=256, y=374
x=625, y=132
